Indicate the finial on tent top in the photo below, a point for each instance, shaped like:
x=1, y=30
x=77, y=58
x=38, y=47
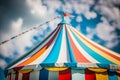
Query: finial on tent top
x=63, y=18
x=66, y=14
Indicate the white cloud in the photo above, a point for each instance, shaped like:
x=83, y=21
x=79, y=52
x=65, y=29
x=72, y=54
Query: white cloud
x=2, y=64
x=79, y=19
x=108, y=9
x=54, y=24
x=110, y=21
x=67, y=7
x=37, y=8
x=16, y=26
x=107, y=33
x=52, y=5
x=89, y=2
x=80, y=8
x=78, y=28
x=41, y=11
x=90, y=15
x=46, y=9
x=90, y=32
x=18, y=44
x=111, y=44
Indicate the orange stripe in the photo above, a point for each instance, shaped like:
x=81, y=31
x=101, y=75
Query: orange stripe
x=116, y=57
x=79, y=57
x=33, y=57
x=40, y=52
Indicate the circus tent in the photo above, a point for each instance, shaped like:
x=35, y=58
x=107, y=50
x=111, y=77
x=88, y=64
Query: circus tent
x=66, y=54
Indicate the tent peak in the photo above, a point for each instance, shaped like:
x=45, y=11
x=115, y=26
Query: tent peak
x=64, y=21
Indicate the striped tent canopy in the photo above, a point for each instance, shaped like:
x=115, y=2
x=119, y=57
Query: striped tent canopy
x=66, y=54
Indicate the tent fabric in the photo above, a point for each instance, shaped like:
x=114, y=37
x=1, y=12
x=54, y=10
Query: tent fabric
x=66, y=54
x=68, y=74
x=66, y=47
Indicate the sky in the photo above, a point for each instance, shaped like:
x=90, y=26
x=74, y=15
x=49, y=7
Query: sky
x=99, y=20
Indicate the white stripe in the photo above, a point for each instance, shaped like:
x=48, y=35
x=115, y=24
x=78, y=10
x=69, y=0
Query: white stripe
x=18, y=63
x=20, y=75
x=45, y=54
x=63, y=55
x=37, y=49
x=13, y=76
x=34, y=75
x=53, y=75
x=83, y=52
x=86, y=65
x=108, y=50
x=78, y=75
x=41, y=58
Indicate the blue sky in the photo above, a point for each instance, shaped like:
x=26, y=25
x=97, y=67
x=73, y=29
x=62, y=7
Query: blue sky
x=98, y=20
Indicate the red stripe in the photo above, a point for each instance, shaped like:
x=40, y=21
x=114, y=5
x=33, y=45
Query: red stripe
x=110, y=54
x=25, y=76
x=8, y=77
x=65, y=75
x=78, y=55
x=89, y=75
x=29, y=60
x=16, y=76
x=50, y=41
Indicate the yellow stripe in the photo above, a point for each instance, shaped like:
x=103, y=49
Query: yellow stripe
x=108, y=50
x=110, y=58
x=101, y=76
x=26, y=71
x=118, y=71
x=56, y=68
x=119, y=77
x=97, y=69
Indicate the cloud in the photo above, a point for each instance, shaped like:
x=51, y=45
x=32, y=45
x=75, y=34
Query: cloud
x=16, y=45
x=78, y=28
x=107, y=33
x=52, y=6
x=110, y=10
x=20, y=43
x=43, y=10
x=2, y=64
x=79, y=19
x=90, y=32
x=16, y=26
x=111, y=44
x=90, y=15
x=36, y=7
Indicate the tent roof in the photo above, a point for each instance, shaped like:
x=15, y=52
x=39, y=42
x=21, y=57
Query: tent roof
x=66, y=47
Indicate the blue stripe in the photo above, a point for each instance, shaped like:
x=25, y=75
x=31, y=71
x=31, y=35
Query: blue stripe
x=29, y=53
x=72, y=58
x=91, y=52
x=43, y=75
x=112, y=75
x=53, y=55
